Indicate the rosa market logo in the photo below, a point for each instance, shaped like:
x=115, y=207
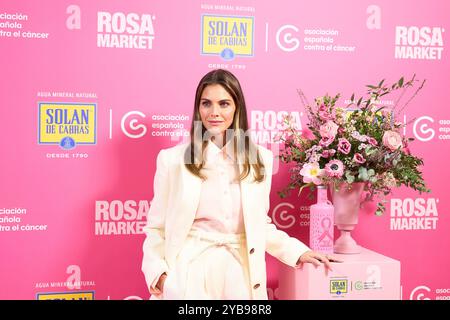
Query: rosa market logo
x=426, y=128
x=125, y=30
x=118, y=217
x=421, y=43
x=266, y=125
x=414, y=214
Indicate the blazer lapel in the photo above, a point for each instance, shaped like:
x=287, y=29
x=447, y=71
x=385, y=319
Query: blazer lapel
x=246, y=198
x=186, y=209
x=191, y=194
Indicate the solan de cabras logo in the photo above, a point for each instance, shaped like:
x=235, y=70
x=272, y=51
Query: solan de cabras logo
x=227, y=36
x=67, y=124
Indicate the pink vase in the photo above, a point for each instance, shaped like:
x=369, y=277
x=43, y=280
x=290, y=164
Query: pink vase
x=346, y=201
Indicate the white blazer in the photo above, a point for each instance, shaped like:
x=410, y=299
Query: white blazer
x=172, y=213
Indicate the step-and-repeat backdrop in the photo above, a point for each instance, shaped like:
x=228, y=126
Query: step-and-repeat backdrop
x=92, y=90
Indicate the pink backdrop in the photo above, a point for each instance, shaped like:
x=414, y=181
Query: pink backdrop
x=71, y=219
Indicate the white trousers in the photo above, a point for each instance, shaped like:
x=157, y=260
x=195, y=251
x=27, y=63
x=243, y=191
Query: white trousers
x=210, y=266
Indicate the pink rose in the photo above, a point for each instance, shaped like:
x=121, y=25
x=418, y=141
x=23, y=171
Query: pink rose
x=358, y=158
x=323, y=108
x=392, y=140
x=307, y=134
x=329, y=129
x=372, y=141
x=328, y=153
x=344, y=146
x=326, y=141
x=324, y=114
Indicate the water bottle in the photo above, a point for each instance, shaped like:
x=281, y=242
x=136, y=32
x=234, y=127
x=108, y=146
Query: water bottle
x=321, y=226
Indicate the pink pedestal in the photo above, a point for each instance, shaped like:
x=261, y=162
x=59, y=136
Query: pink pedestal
x=365, y=276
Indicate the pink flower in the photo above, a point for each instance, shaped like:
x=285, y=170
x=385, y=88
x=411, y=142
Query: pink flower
x=392, y=140
x=372, y=141
x=308, y=134
x=311, y=172
x=344, y=146
x=358, y=158
x=360, y=137
x=288, y=151
x=328, y=153
x=406, y=147
x=289, y=138
x=324, y=114
x=279, y=135
x=326, y=141
x=334, y=168
x=329, y=129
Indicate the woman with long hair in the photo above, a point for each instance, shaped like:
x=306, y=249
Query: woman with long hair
x=207, y=228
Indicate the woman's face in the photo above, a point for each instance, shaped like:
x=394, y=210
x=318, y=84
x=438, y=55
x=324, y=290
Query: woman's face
x=216, y=109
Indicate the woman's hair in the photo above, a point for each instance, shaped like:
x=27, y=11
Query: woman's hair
x=245, y=151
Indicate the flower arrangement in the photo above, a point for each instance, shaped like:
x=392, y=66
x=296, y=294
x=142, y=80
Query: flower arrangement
x=361, y=142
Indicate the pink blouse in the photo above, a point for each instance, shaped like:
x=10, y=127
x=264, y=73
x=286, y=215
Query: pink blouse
x=220, y=208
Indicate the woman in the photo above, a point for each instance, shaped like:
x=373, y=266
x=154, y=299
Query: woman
x=208, y=229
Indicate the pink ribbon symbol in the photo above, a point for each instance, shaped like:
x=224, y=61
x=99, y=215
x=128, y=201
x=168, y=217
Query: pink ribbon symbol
x=326, y=224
